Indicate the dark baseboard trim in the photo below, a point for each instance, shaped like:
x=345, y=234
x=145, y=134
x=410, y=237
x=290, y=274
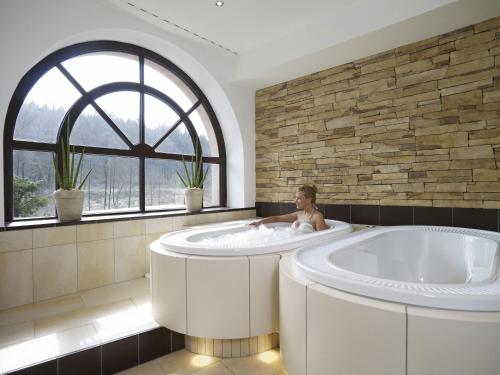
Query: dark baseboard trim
x=475, y=218
x=111, y=357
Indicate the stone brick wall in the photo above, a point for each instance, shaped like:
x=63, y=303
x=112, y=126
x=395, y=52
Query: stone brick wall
x=418, y=125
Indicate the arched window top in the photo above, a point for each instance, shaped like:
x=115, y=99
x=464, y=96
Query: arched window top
x=136, y=114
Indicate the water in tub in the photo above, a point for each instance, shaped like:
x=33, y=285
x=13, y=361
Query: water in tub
x=254, y=236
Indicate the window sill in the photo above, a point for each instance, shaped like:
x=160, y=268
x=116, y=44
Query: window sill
x=44, y=223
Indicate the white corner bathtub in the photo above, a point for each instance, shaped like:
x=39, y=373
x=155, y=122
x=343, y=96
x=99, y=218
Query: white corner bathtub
x=441, y=267
x=402, y=300
x=220, y=281
x=240, y=239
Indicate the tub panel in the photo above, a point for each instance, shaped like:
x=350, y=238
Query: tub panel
x=351, y=335
x=168, y=290
x=264, y=294
x=217, y=297
x=453, y=342
x=292, y=304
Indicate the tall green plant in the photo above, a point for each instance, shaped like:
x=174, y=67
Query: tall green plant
x=194, y=176
x=66, y=173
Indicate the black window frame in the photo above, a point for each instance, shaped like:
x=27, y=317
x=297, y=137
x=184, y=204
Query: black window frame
x=142, y=150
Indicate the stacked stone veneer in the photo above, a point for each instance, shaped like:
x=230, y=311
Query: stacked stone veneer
x=418, y=125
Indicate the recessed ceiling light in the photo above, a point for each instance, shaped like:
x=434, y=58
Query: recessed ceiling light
x=219, y=3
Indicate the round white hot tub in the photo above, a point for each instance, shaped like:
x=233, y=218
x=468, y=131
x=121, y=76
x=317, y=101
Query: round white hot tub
x=395, y=300
x=221, y=281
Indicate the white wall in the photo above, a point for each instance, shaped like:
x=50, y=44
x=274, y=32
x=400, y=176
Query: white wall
x=30, y=30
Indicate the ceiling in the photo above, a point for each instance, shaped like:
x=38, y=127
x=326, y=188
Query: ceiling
x=277, y=40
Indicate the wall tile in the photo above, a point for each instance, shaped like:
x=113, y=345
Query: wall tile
x=234, y=215
x=287, y=208
x=16, y=278
x=160, y=225
x=150, y=238
x=267, y=209
x=46, y=368
x=180, y=221
x=129, y=258
x=340, y=212
x=475, y=218
x=94, y=232
x=120, y=355
x=361, y=214
x=129, y=228
x=85, y=362
x=44, y=237
x=154, y=344
x=16, y=240
x=96, y=264
x=54, y=271
x=441, y=216
x=396, y=215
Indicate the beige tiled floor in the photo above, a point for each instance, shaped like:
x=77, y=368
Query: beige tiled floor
x=41, y=331
x=184, y=363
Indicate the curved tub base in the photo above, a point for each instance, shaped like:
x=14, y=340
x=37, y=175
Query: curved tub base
x=232, y=348
x=327, y=331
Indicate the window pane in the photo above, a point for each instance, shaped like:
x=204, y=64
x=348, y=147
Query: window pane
x=113, y=183
x=203, y=127
x=163, y=188
x=211, y=186
x=158, y=118
x=91, y=130
x=179, y=142
x=44, y=108
x=163, y=80
x=123, y=109
x=96, y=69
x=33, y=184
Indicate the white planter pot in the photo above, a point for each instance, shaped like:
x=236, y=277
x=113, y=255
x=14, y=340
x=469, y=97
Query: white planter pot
x=194, y=199
x=69, y=204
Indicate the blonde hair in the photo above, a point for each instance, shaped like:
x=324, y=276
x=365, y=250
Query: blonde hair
x=309, y=191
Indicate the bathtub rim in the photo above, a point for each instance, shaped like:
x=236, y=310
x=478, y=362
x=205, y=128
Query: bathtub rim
x=479, y=296
x=187, y=248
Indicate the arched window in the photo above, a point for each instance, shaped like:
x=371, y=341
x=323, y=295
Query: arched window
x=134, y=113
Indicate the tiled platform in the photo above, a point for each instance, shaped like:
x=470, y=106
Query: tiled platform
x=105, y=330
x=184, y=363
x=42, y=331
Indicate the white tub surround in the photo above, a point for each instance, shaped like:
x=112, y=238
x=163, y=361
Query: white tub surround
x=354, y=303
x=218, y=290
x=448, y=268
x=225, y=240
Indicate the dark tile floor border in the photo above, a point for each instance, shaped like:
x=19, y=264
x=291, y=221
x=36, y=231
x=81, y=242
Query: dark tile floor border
x=475, y=218
x=111, y=357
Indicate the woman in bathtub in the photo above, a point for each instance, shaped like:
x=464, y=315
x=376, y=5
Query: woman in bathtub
x=308, y=219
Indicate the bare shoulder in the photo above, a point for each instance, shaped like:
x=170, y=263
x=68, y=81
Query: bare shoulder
x=319, y=221
x=318, y=215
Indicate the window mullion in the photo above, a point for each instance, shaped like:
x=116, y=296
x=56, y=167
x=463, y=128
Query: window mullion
x=92, y=102
x=110, y=122
x=142, y=140
x=170, y=131
x=72, y=79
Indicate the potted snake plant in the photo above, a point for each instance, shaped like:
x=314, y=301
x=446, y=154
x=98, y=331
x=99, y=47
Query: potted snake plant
x=193, y=181
x=69, y=196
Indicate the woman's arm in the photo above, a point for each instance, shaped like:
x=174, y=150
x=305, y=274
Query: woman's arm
x=288, y=218
x=319, y=221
